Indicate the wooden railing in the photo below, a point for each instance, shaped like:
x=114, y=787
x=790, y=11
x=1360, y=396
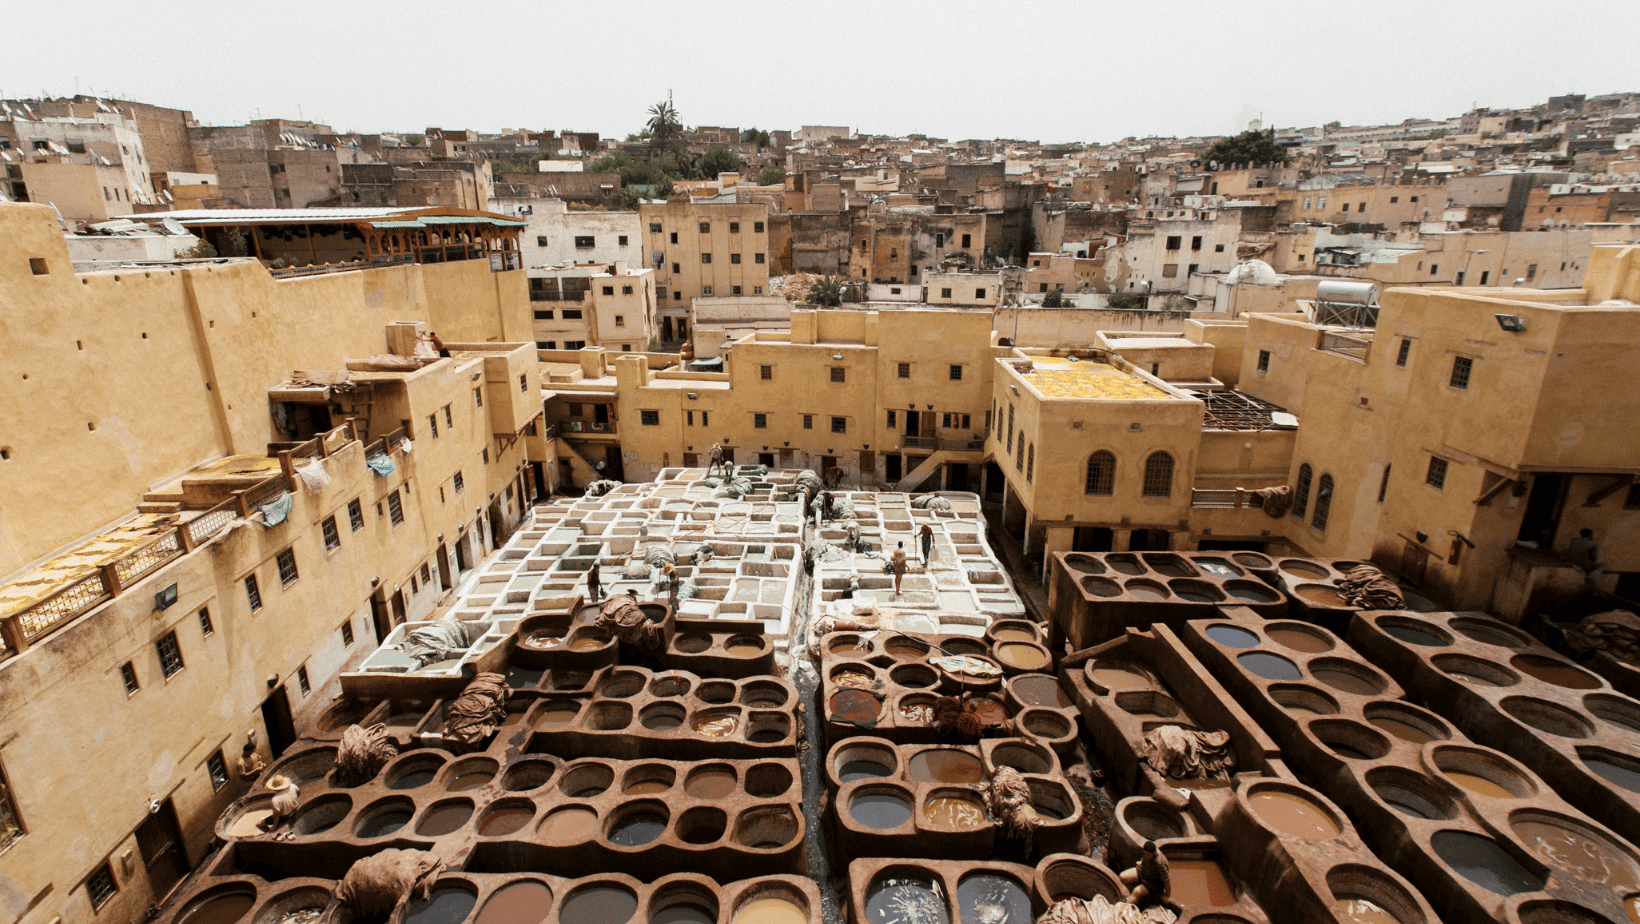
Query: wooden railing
x=21, y=629
x=1344, y=345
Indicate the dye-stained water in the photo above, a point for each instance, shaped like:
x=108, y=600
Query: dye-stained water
x=1589, y=857
x=221, y=909
x=710, y=783
x=1021, y=655
x=907, y=901
x=860, y=770
x=504, y=821
x=1009, y=634
x=1200, y=884
x=987, y=898
x=606, y=904
x=1405, y=731
x=1364, y=911
x=1483, y=862
x=945, y=765
x=854, y=679
x=683, y=913
x=444, y=906
x=572, y=825
x=1347, y=682
x=1115, y=677
x=1413, y=635
x=382, y=824
x=1299, y=640
x=1269, y=666
x=1626, y=777
x=716, y=726
x=880, y=810
x=521, y=902
x=637, y=829
x=772, y=910
x=957, y=813
x=1478, y=784
x=1232, y=636
x=917, y=713
x=1040, y=691
x=1293, y=814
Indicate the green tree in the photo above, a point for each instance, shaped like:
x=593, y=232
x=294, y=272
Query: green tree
x=771, y=176
x=1054, y=299
x=1125, y=301
x=827, y=292
x=753, y=136
x=719, y=159
x=663, y=124
x=1249, y=147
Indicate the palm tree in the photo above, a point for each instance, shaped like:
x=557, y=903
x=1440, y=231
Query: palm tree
x=827, y=292
x=663, y=123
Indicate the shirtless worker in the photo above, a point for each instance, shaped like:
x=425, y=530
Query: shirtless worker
x=899, y=567
x=925, y=538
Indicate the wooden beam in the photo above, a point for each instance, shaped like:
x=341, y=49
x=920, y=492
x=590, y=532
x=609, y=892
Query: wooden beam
x=1619, y=482
x=1493, y=491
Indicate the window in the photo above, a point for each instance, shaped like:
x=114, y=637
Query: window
x=620, y=320
x=572, y=314
x=575, y=344
x=1030, y=463
x=609, y=290
x=939, y=240
x=170, y=654
x=705, y=258
x=1158, y=475
x=757, y=228
x=1462, y=368
x=458, y=482
x=524, y=383
x=1394, y=199
x=734, y=290
x=355, y=515
x=620, y=241
x=839, y=374
x=1405, y=351
x=893, y=417
x=626, y=290
x=1383, y=485
x=1531, y=271
x=765, y=373
x=904, y=370
x=706, y=227
x=540, y=240
x=253, y=593
x=945, y=293
x=1264, y=360
x=1196, y=242
x=37, y=266
x=690, y=415
x=734, y=258
x=1631, y=500
x=757, y=290
x=956, y=372
x=839, y=425
x=333, y=539
x=1301, y=491
x=808, y=421
x=582, y=242
x=967, y=241
x=1191, y=269
x=543, y=315
x=1101, y=474
x=979, y=293
x=100, y=886
x=757, y=258
x=1436, y=476
x=1306, y=203
x=706, y=418
x=760, y=421
x=1170, y=270
x=1019, y=457
x=734, y=227
x=432, y=424
x=1485, y=276
x=287, y=566
x=206, y=627
x=1323, y=502
x=674, y=240
x=217, y=769
x=1173, y=241
x=395, y=508
x=128, y=676
x=347, y=634
x=1218, y=248
x=484, y=455
x=1434, y=268
x=1345, y=207
x=654, y=227
x=649, y=418
x=303, y=681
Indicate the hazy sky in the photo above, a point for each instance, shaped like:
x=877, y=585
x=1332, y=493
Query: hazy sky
x=1092, y=70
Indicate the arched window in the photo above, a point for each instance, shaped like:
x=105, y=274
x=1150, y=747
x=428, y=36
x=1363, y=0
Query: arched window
x=1323, y=502
x=1101, y=473
x=1158, y=475
x=1030, y=464
x=1301, y=491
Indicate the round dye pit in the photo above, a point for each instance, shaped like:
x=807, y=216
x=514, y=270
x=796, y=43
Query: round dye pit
x=222, y=908
x=637, y=828
x=1617, y=710
x=1117, y=675
x=250, y=823
x=917, y=709
x=1555, y=671
x=1252, y=560
x=1219, y=567
x=1293, y=814
x=449, y=905
x=1481, y=861
x=1405, y=731
x=572, y=825
x=851, y=649
x=1347, y=677
x=954, y=812
x=1568, y=846
x=469, y=775
x=717, y=725
x=858, y=679
x=1320, y=595
x=1309, y=641
x=505, y=818
x=588, y=643
x=1269, y=666
x=854, y=706
x=1126, y=564
x=1153, y=821
x=661, y=716
x=1084, y=564
x=711, y=782
x=599, y=904
x=1146, y=590
x=692, y=643
x=1011, y=634
x=1232, y=636
x=684, y=911
x=1300, y=568
x=1040, y=690
x=646, y=781
x=1475, y=672
x=1101, y=587
x=903, y=900
x=861, y=770
x=945, y=765
x=989, y=898
x=384, y=822
x=1415, y=633
x=744, y=647
x=1303, y=701
x=1365, y=911
x=771, y=910
x=444, y=817
x=1548, y=717
x=880, y=809
x=1196, y=591
x=1022, y=655
x=1626, y=774
x=1478, y=784
x=523, y=902
x=1490, y=632
x=414, y=777
x=1251, y=592
x=1200, y=884
x=557, y=715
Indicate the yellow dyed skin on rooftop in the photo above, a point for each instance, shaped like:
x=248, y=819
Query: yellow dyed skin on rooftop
x=1088, y=380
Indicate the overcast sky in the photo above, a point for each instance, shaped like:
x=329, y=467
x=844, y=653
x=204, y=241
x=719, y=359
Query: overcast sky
x=1092, y=70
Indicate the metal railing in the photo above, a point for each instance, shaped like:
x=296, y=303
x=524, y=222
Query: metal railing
x=1232, y=497
x=1344, y=345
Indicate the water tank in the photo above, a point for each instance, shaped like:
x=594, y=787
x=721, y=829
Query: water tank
x=1340, y=292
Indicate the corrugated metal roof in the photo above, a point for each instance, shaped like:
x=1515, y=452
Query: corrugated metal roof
x=378, y=216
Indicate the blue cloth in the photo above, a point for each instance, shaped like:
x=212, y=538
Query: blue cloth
x=275, y=511
x=381, y=465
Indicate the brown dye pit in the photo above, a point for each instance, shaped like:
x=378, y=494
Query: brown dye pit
x=442, y=819
x=1303, y=568
x=573, y=825
x=1362, y=911
x=745, y=650
x=646, y=788
x=770, y=911
x=906, y=650
x=1478, y=784
x=717, y=726
x=1125, y=564
x=250, y=823
x=852, y=679
x=1294, y=815
x=223, y=909
x=958, y=813
x=1347, y=682
x=1119, y=678
x=472, y=779
x=1405, y=731
x=1013, y=635
x=504, y=821
x=1028, y=657
x=854, y=706
x=587, y=643
x=1041, y=691
x=523, y=902
x=1146, y=591
x=945, y=765
x=1474, y=680
x=558, y=715
x=917, y=713
x=852, y=652
x=1200, y=883
x=1321, y=596
x=1550, y=670
x=990, y=712
x=710, y=783
x=609, y=904
x=1590, y=858
x=1299, y=640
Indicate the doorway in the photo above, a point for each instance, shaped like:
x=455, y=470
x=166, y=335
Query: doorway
x=1093, y=539
x=1542, y=514
x=444, y=566
x=276, y=719
x=1148, y=540
x=159, y=840
x=892, y=472
x=612, y=463
x=956, y=476
x=600, y=417
x=462, y=563
x=379, y=617
x=766, y=458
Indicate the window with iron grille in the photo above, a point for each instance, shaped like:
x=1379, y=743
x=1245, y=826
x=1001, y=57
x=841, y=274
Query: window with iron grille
x=355, y=514
x=808, y=421
x=1158, y=475
x=100, y=886
x=448, y=424
x=893, y=416
x=432, y=424
x=766, y=373
x=1462, y=368
x=654, y=227
x=302, y=680
x=1101, y=478
x=705, y=258
x=1030, y=463
x=347, y=634
x=1301, y=490
x=839, y=374
x=287, y=566
x=649, y=418
x=904, y=370
x=956, y=373
x=1383, y=485
x=484, y=456
x=170, y=654
x=327, y=527
x=460, y=485
x=1436, y=477
x=1264, y=360
x=583, y=241
x=734, y=258
x=395, y=508
x=760, y=421
x=1323, y=502
x=1401, y=355
x=206, y=627
x=478, y=397
x=11, y=823
x=1019, y=457
x=426, y=574
x=839, y=425
x=217, y=769
x=252, y=592
x=128, y=676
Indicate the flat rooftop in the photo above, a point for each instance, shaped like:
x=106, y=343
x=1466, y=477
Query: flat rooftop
x=1064, y=378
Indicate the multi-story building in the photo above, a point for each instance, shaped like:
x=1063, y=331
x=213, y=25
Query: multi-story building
x=700, y=249
x=596, y=304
